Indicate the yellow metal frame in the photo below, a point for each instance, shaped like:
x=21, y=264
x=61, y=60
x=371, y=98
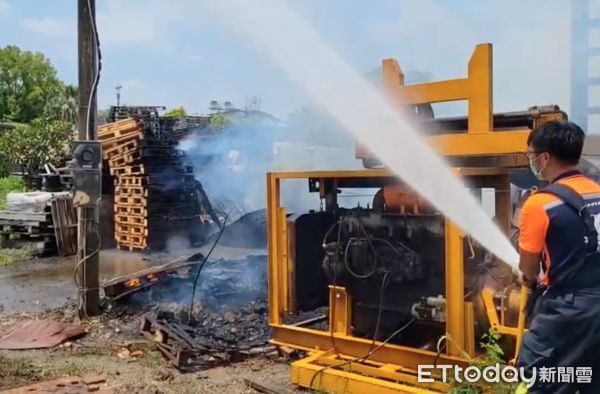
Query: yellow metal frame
x=480, y=139
x=459, y=314
x=392, y=368
x=498, y=325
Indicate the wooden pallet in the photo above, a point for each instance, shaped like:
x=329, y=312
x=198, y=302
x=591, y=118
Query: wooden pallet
x=109, y=144
x=161, y=151
x=125, y=159
x=130, y=210
x=27, y=230
x=135, y=191
x=118, y=128
x=136, y=201
x=25, y=219
x=131, y=229
x=150, y=179
x=130, y=181
x=120, y=149
x=131, y=219
x=150, y=142
x=121, y=161
x=118, y=133
x=131, y=239
x=65, y=225
x=132, y=247
x=170, y=168
x=127, y=170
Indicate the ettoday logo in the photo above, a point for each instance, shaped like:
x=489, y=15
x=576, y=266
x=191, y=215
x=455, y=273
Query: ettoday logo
x=473, y=374
x=506, y=374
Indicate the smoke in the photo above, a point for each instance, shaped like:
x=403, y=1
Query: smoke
x=232, y=163
x=178, y=243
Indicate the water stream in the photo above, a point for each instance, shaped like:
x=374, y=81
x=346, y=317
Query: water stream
x=279, y=33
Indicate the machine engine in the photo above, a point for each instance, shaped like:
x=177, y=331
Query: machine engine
x=391, y=260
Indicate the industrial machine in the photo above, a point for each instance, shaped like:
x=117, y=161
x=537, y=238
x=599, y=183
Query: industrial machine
x=400, y=285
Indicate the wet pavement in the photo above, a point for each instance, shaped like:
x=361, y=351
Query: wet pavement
x=33, y=286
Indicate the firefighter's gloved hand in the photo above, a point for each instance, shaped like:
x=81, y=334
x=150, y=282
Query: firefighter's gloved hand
x=522, y=281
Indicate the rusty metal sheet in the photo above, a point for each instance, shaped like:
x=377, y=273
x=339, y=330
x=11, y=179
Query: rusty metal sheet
x=68, y=385
x=39, y=334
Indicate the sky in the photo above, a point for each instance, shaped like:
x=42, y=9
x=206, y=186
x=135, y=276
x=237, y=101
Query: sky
x=174, y=53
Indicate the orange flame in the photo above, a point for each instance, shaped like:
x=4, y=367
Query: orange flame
x=135, y=282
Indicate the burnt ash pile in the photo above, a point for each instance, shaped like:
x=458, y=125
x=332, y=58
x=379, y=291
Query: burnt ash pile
x=212, y=337
x=228, y=321
x=222, y=283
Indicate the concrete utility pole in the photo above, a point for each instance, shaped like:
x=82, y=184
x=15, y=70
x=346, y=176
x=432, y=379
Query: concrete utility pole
x=88, y=239
x=118, y=90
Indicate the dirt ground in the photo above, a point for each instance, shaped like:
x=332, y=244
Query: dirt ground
x=102, y=351
x=45, y=289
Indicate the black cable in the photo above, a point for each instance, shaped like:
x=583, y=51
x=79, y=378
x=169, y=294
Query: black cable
x=366, y=356
x=216, y=241
x=347, y=264
x=380, y=309
x=382, y=288
x=96, y=46
x=354, y=239
x=439, y=349
x=338, y=222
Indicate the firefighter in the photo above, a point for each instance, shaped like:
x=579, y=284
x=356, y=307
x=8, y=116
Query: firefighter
x=560, y=262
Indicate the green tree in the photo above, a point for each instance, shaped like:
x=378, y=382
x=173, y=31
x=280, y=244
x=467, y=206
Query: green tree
x=176, y=112
x=103, y=114
x=42, y=111
x=219, y=121
x=31, y=146
x=28, y=83
x=64, y=106
x=69, y=104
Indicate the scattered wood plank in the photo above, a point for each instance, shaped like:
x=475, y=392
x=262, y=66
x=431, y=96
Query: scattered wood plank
x=64, y=385
x=65, y=225
x=264, y=388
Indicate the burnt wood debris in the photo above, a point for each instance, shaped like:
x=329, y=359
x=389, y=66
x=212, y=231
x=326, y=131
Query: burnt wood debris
x=229, y=319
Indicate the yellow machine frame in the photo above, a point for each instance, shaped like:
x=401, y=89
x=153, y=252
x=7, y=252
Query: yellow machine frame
x=392, y=369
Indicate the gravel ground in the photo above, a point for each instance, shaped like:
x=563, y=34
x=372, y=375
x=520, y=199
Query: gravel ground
x=102, y=351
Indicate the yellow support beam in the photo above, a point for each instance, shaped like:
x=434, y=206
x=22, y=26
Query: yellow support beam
x=481, y=144
x=340, y=318
x=318, y=373
x=480, y=109
x=273, y=204
x=455, y=292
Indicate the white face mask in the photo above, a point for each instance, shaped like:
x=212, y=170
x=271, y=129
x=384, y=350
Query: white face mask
x=537, y=172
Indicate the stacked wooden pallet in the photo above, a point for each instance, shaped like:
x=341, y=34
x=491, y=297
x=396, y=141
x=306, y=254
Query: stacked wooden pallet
x=148, y=113
x=155, y=195
x=50, y=230
x=25, y=229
